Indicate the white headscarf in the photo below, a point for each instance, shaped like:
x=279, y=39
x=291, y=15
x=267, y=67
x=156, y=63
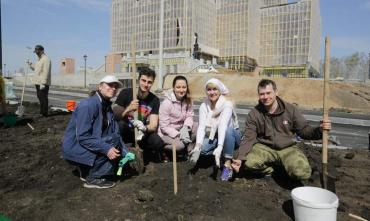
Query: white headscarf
x=223, y=89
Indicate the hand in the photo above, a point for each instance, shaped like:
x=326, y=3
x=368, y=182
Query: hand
x=325, y=125
x=134, y=105
x=236, y=165
x=140, y=135
x=113, y=153
x=194, y=154
x=139, y=125
x=184, y=135
x=217, y=153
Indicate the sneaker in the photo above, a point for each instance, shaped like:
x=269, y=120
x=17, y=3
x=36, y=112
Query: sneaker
x=82, y=172
x=227, y=173
x=165, y=158
x=99, y=183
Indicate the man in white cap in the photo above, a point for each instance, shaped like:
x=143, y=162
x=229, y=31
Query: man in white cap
x=92, y=140
x=42, y=78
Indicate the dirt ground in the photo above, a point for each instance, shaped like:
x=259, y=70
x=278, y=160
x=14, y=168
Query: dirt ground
x=37, y=184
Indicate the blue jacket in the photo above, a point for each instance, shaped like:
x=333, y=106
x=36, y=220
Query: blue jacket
x=83, y=138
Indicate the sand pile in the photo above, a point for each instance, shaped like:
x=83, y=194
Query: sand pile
x=307, y=93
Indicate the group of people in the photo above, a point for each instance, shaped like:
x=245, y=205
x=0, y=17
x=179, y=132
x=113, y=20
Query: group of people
x=99, y=132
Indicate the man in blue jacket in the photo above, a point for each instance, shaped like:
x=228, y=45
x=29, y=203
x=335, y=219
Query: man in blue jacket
x=92, y=140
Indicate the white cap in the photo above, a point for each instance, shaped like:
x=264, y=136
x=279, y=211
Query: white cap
x=223, y=89
x=111, y=79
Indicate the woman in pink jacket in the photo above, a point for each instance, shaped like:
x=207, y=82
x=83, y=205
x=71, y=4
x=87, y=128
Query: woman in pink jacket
x=176, y=113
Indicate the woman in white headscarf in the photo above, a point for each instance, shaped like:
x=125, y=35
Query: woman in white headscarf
x=218, y=130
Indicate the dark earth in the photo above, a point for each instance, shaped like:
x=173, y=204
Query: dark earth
x=37, y=184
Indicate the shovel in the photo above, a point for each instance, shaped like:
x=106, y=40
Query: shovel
x=20, y=109
x=139, y=161
x=328, y=180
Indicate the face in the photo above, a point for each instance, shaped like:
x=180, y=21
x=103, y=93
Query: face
x=267, y=95
x=180, y=89
x=108, y=90
x=145, y=83
x=213, y=93
x=38, y=52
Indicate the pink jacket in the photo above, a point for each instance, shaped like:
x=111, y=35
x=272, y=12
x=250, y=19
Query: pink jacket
x=173, y=115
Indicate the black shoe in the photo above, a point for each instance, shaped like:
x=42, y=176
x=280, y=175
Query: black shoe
x=82, y=172
x=99, y=183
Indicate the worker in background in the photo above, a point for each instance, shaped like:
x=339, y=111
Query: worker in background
x=42, y=78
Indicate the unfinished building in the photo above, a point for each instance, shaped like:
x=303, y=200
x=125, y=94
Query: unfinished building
x=283, y=38
x=290, y=39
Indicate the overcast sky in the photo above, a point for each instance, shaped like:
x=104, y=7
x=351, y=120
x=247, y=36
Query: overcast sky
x=73, y=28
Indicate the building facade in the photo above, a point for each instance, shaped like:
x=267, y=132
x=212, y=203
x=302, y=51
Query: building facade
x=281, y=37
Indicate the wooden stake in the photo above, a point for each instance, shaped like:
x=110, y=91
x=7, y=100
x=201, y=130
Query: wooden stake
x=30, y=126
x=325, y=133
x=356, y=217
x=174, y=168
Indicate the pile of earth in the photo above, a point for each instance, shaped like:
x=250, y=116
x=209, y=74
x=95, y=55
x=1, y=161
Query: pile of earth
x=306, y=93
x=37, y=184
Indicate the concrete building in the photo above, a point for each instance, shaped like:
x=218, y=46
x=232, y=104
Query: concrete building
x=240, y=34
x=290, y=39
x=67, y=66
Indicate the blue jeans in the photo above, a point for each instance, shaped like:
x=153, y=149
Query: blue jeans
x=232, y=141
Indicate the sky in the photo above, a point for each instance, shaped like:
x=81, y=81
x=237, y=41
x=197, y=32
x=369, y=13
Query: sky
x=73, y=28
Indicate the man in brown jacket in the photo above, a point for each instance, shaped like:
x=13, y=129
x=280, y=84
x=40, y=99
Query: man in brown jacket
x=269, y=136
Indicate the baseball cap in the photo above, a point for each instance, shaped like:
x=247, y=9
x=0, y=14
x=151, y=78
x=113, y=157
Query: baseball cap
x=110, y=79
x=39, y=48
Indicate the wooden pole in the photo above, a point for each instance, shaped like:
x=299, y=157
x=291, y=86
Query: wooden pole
x=174, y=168
x=325, y=133
x=133, y=76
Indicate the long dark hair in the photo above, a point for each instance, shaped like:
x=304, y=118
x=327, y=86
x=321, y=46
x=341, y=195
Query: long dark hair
x=187, y=97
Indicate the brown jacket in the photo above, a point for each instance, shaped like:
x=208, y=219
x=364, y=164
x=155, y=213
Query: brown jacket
x=276, y=130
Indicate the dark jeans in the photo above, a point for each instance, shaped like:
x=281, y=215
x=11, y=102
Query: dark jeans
x=151, y=141
x=102, y=167
x=42, y=95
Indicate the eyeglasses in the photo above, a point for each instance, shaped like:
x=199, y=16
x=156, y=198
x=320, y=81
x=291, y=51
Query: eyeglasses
x=113, y=85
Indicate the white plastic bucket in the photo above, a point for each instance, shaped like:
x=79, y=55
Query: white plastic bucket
x=313, y=203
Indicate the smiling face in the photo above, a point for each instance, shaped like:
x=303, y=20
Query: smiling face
x=213, y=93
x=267, y=96
x=108, y=90
x=180, y=89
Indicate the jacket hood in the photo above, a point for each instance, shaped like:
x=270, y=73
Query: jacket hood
x=170, y=95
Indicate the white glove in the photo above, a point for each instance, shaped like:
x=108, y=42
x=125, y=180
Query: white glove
x=217, y=153
x=139, y=125
x=140, y=135
x=194, y=154
x=42, y=86
x=184, y=135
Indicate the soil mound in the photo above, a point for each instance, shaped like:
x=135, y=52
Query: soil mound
x=307, y=93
